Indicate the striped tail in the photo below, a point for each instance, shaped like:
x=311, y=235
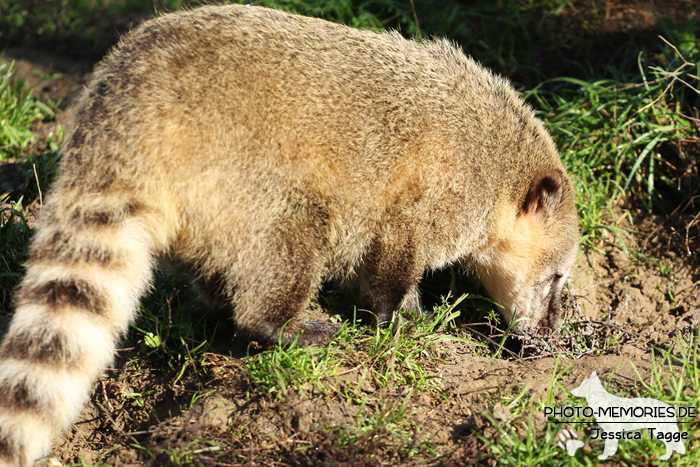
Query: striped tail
x=89, y=265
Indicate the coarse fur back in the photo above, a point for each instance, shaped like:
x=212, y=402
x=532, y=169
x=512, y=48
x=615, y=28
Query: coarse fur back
x=268, y=152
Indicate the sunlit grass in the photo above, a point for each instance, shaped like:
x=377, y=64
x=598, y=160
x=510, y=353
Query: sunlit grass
x=619, y=139
x=19, y=109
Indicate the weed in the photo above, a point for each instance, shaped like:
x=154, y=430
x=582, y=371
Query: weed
x=665, y=268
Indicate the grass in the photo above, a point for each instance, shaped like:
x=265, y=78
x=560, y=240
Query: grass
x=388, y=360
x=14, y=238
x=19, y=109
x=673, y=379
x=622, y=126
x=403, y=354
x=301, y=369
x=619, y=138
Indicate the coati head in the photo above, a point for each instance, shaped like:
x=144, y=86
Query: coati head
x=529, y=265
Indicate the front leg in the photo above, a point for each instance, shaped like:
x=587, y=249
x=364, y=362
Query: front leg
x=390, y=274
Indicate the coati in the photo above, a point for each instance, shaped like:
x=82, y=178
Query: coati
x=268, y=152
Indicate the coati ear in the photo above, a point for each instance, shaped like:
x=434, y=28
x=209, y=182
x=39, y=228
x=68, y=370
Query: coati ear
x=544, y=198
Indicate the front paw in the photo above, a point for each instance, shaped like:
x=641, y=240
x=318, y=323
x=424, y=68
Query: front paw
x=316, y=332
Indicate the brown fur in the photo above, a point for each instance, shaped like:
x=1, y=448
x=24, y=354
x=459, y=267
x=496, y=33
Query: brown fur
x=268, y=152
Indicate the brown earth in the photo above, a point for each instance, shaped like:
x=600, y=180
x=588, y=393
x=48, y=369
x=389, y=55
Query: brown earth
x=622, y=305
